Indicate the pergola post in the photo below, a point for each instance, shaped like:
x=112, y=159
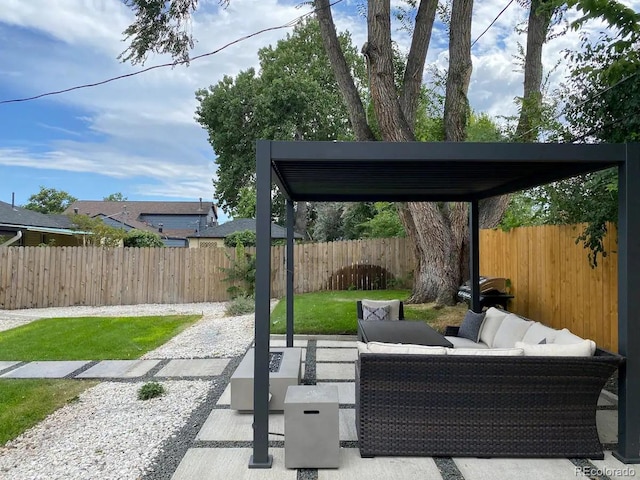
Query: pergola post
x=289, y=266
x=629, y=306
x=474, y=255
x=261, y=457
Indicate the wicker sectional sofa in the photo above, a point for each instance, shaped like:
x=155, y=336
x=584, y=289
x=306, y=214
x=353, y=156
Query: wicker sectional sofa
x=480, y=405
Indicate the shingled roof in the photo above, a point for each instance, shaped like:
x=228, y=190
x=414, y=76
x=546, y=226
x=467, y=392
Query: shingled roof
x=240, y=225
x=22, y=217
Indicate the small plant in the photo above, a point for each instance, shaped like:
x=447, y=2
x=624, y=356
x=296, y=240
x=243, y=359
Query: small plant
x=150, y=390
x=241, y=305
x=242, y=273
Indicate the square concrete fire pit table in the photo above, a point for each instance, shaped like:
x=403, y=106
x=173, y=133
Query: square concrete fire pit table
x=288, y=363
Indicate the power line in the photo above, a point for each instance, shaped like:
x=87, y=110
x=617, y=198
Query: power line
x=491, y=24
x=289, y=24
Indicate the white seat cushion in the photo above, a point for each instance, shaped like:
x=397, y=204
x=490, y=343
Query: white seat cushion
x=405, y=348
x=582, y=349
x=394, y=306
x=461, y=342
x=565, y=337
x=538, y=332
x=489, y=352
x=492, y=320
x=511, y=330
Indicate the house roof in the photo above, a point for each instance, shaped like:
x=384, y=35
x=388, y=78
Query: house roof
x=240, y=225
x=135, y=209
x=23, y=217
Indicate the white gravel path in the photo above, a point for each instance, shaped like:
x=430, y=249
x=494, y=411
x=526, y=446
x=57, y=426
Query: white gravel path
x=108, y=433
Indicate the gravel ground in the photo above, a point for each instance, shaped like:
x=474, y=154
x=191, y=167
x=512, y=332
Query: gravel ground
x=108, y=433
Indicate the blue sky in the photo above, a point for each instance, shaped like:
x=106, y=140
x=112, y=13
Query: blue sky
x=138, y=136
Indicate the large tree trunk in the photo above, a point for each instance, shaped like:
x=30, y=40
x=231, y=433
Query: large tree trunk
x=540, y=14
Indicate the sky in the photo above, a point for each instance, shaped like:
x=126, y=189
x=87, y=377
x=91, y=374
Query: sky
x=138, y=135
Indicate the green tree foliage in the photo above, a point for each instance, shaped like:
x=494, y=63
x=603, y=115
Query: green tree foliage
x=50, y=200
x=242, y=273
x=244, y=237
x=246, y=207
x=101, y=233
x=293, y=97
x=142, y=238
x=115, y=197
x=385, y=222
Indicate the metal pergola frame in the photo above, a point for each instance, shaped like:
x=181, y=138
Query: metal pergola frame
x=444, y=171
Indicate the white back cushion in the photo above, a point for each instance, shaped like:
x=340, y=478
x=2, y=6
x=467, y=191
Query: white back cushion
x=511, y=330
x=484, y=352
x=394, y=306
x=583, y=349
x=539, y=331
x=492, y=320
x=565, y=337
x=362, y=347
x=406, y=348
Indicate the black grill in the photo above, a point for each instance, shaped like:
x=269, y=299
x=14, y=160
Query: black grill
x=492, y=292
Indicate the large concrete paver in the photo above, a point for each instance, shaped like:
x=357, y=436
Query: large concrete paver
x=614, y=469
x=607, y=422
x=520, y=468
x=336, y=355
x=230, y=464
x=352, y=467
x=46, y=369
x=335, y=371
x=282, y=342
x=119, y=369
x=202, y=367
x=336, y=343
x=346, y=391
x=4, y=365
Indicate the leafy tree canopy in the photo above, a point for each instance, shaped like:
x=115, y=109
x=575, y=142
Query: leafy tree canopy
x=142, y=238
x=102, y=234
x=245, y=237
x=115, y=197
x=50, y=200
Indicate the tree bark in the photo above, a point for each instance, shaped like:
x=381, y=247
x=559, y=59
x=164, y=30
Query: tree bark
x=344, y=79
x=414, y=69
x=456, y=103
x=528, y=127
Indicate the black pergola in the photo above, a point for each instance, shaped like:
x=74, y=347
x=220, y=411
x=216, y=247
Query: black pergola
x=467, y=172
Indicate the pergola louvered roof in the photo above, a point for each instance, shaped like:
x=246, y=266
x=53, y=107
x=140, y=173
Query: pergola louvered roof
x=419, y=171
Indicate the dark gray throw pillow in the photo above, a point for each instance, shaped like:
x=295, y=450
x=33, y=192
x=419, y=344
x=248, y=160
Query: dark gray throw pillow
x=471, y=325
x=542, y=342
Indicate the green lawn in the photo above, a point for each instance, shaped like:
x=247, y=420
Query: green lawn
x=23, y=403
x=90, y=338
x=334, y=312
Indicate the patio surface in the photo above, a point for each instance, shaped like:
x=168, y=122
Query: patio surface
x=222, y=446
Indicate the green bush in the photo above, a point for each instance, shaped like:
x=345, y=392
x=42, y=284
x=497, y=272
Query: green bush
x=142, y=238
x=240, y=305
x=150, y=390
x=245, y=237
x=242, y=273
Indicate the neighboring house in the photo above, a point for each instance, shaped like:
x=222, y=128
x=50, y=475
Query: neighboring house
x=214, y=236
x=173, y=221
x=28, y=228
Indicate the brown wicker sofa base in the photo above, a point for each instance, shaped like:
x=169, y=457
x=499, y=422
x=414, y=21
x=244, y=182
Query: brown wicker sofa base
x=480, y=406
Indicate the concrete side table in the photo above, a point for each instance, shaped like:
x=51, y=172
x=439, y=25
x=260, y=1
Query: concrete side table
x=311, y=427
x=288, y=374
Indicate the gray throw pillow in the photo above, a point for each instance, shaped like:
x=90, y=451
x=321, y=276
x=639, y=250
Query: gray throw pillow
x=542, y=342
x=375, y=313
x=471, y=326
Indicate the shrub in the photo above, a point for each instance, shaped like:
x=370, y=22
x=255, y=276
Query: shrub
x=245, y=237
x=242, y=271
x=150, y=390
x=240, y=305
x=142, y=238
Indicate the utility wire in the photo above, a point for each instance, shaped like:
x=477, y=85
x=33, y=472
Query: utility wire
x=491, y=24
x=289, y=24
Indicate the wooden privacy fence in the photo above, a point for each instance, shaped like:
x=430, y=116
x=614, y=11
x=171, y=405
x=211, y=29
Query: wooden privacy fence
x=34, y=277
x=552, y=280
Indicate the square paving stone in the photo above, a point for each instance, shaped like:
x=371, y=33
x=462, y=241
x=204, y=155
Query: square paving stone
x=336, y=355
x=203, y=367
x=346, y=391
x=337, y=343
x=282, y=342
x=119, y=369
x=46, y=369
x=228, y=464
x=225, y=398
x=229, y=425
x=613, y=468
x=520, y=468
x=335, y=371
x=607, y=422
x=4, y=365
x=353, y=467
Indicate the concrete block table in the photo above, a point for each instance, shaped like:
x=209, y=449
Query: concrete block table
x=311, y=427
x=288, y=373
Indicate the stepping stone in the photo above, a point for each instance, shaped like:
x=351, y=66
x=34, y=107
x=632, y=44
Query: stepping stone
x=231, y=463
x=119, y=369
x=521, y=468
x=4, y=365
x=353, y=467
x=607, y=422
x=346, y=391
x=613, y=468
x=337, y=343
x=335, y=371
x=46, y=369
x=204, y=367
x=336, y=355
x=282, y=342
